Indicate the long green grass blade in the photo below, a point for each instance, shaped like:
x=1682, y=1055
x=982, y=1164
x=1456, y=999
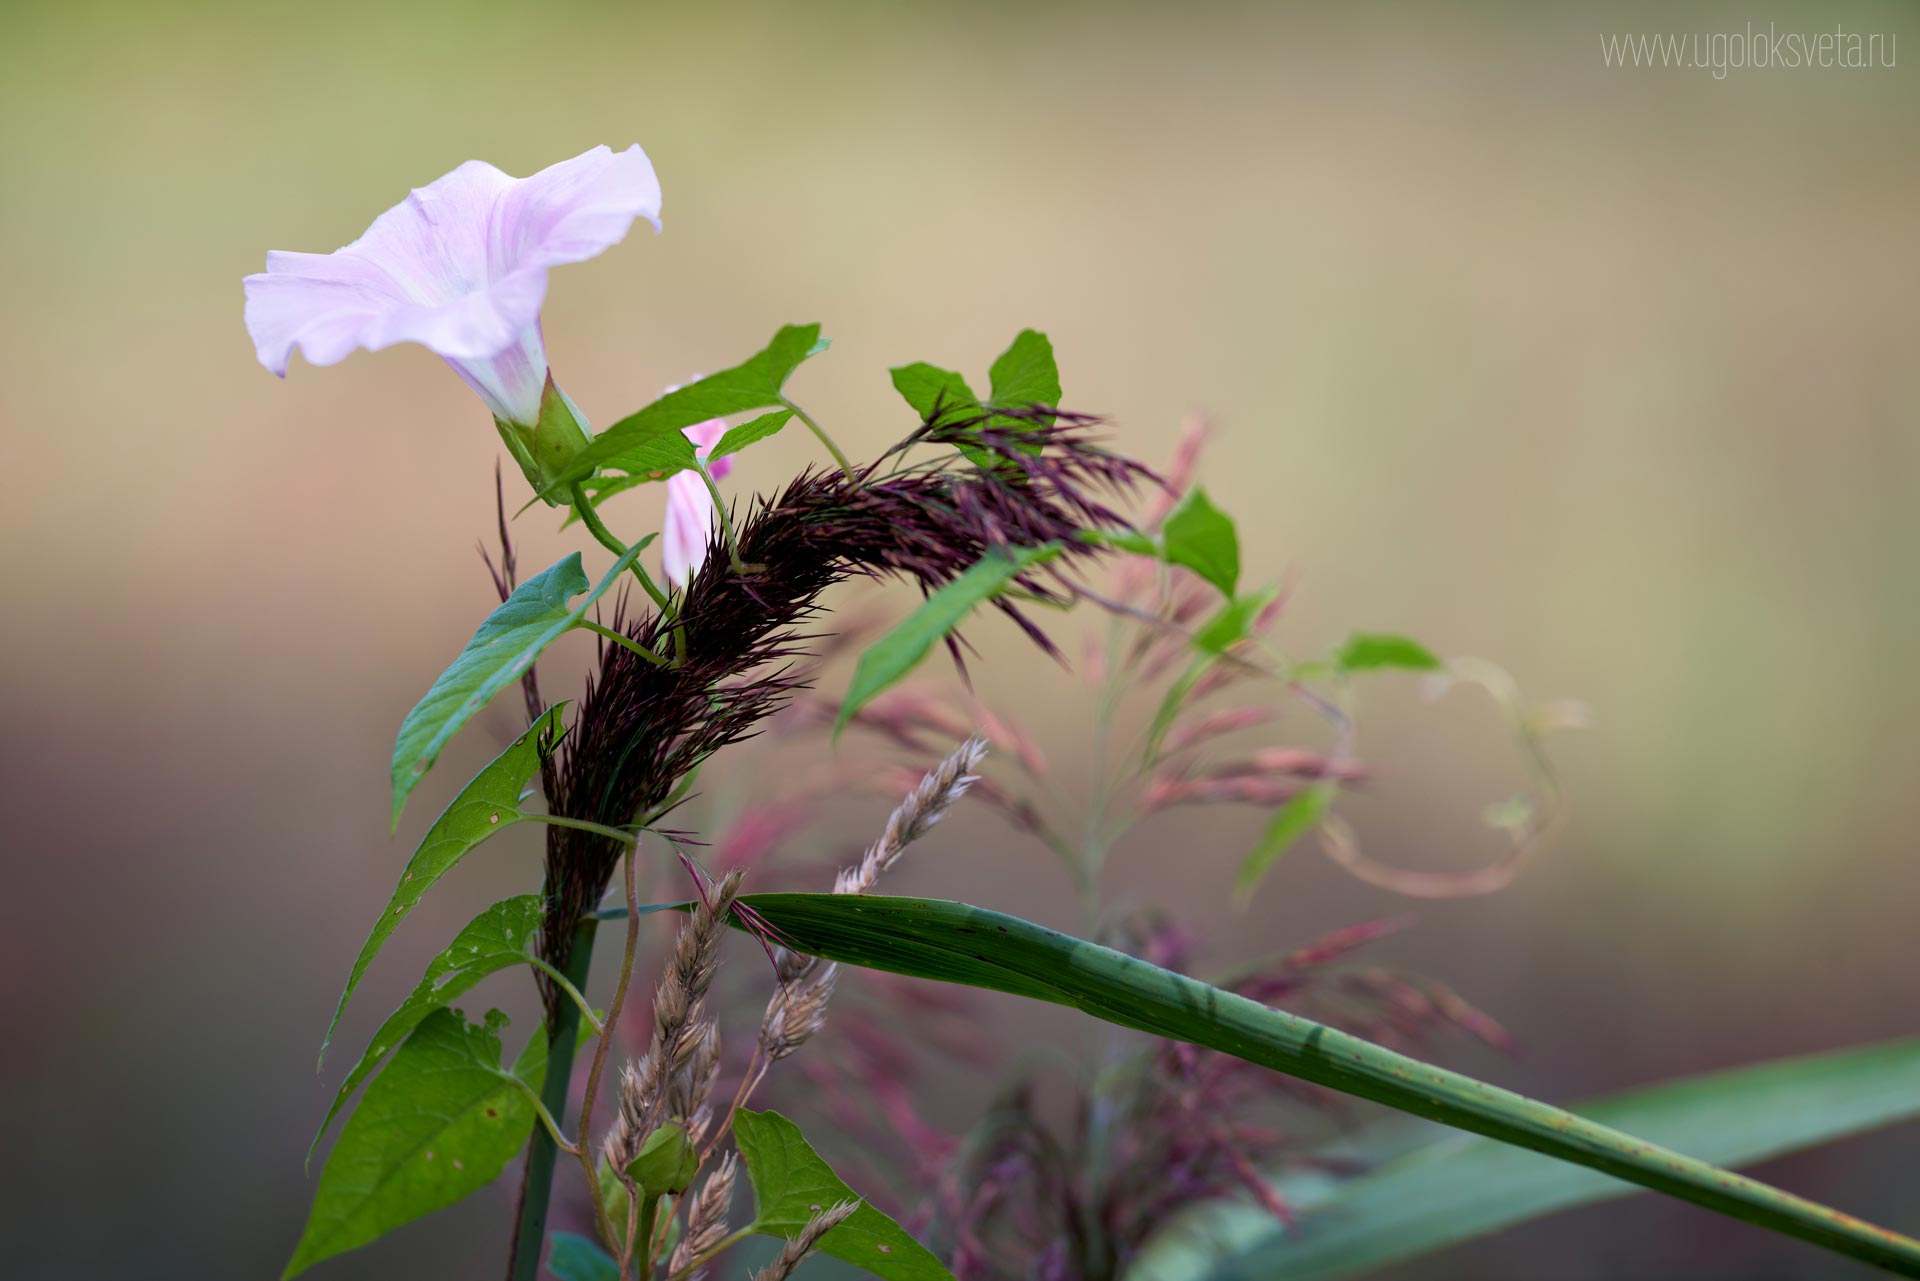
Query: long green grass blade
x=956, y=943
x=1455, y=1187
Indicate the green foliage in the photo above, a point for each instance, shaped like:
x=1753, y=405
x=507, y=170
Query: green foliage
x=1201, y=537
x=1455, y=1187
x=497, y=939
x=955, y=943
x=791, y=1184
x=667, y=1162
x=1234, y=621
x=935, y=394
x=651, y=441
x=489, y=804
x=1025, y=375
x=750, y=433
x=500, y=653
x=891, y=657
x=1367, y=651
x=441, y=1122
x=574, y=1258
x=1300, y=815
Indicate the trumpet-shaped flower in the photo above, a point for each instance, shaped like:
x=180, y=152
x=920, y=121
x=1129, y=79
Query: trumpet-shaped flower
x=688, y=525
x=460, y=267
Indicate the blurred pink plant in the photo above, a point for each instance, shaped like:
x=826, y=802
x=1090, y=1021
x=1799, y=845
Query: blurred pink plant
x=687, y=527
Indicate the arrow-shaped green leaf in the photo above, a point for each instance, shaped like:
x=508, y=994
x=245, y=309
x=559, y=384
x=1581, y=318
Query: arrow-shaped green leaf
x=506, y=645
x=791, y=1184
x=441, y=1122
x=499, y=938
x=489, y=804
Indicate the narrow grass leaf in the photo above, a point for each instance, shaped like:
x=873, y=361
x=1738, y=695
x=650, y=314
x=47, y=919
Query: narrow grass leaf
x=955, y=943
x=1457, y=1187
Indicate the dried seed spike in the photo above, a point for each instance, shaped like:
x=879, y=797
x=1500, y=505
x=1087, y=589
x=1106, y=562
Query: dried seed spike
x=926, y=805
x=706, y=1220
x=796, y=1250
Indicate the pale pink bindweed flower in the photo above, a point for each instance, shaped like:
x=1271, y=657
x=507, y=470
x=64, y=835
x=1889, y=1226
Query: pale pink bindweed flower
x=460, y=267
x=687, y=528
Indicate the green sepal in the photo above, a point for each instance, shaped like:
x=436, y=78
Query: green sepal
x=546, y=449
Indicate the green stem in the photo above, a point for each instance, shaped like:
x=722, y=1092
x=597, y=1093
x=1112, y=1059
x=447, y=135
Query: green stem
x=726, y=520
x=573, y=993
x=536, y=1186
x=607, y=539
x=583, y=825
x=625, y=642
x=825, y=439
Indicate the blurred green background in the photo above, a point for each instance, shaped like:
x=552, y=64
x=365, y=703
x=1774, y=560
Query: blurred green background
x=1606, y=375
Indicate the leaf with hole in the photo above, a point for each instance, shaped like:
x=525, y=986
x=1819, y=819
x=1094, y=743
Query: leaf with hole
x=791, y=1184
x=1456, y=1187
x=500, y=653
x=440, y=1123
x=900, y=650
x=499, y=938
x=487, y=805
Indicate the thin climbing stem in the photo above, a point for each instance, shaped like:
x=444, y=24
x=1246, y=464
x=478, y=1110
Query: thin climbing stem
x=818, y=430
x=583, y=506
x=573, y=993
x=726, y=520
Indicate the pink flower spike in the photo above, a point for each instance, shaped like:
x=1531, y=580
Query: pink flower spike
x=460, y=267
x=687, y=528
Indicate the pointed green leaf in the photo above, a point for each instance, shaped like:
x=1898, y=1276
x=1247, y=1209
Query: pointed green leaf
x=750, y=433
x=1301, y=814
x=1201, y=537
x=895, y=654
x=955, y=943
x=1025, y=376
x=1234, y=623
x=651, y=440
x=489, y=804
x=573, y=1258
x=1457, y=1187
x=441, y=1122
x=497, y=939
x=500, y=653
x=935, y=393
x=1365, y=651
x=791, y=1184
